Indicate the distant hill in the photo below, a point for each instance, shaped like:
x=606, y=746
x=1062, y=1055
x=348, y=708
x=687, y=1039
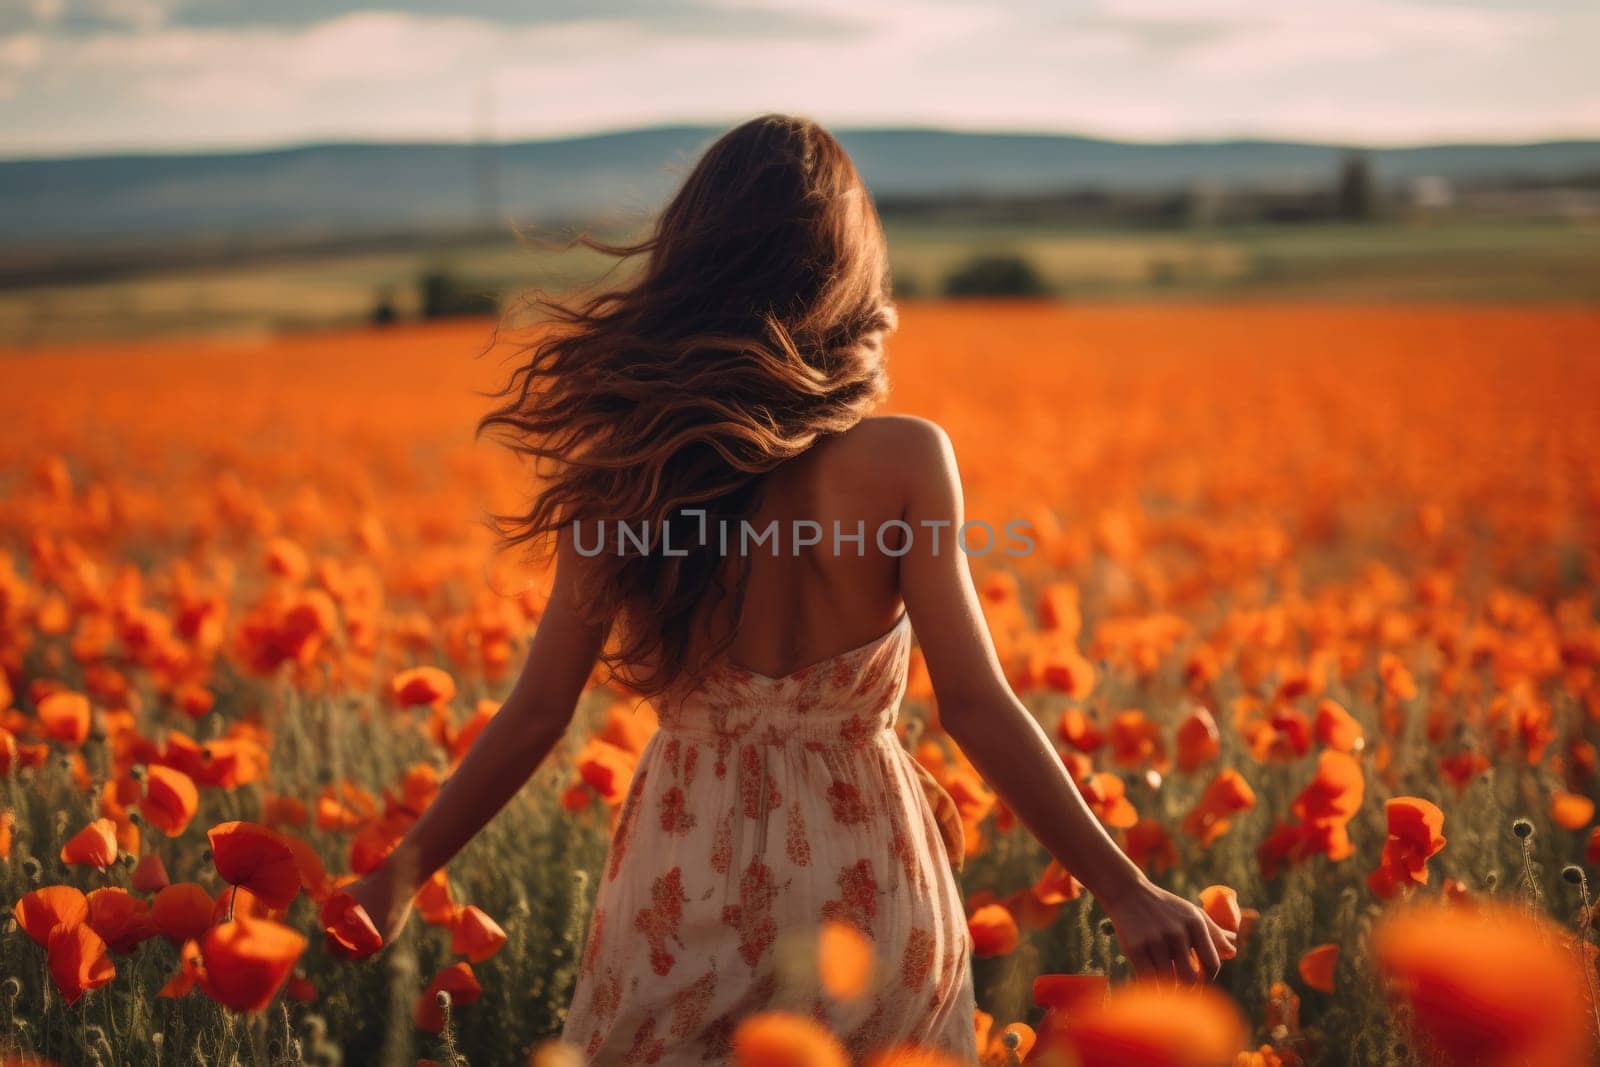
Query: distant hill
x=356, y=188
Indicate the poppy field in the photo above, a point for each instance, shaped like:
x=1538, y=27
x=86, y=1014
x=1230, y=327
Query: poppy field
x=1313, y=617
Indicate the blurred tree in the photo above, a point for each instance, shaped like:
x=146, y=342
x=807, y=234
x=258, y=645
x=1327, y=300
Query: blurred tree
x=443, y=295
x=995, y=275
x=1357, y=197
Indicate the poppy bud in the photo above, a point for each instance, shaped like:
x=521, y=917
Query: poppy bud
x=1522, y=828
x=1573, y=874
x=1107, y=927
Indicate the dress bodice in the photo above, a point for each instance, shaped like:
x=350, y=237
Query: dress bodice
x=845, y=699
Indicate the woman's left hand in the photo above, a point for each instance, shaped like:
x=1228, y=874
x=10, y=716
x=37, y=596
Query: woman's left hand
x=1163, y=935
x=385, y=904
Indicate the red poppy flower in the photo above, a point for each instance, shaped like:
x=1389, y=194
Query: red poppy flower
x=78, y=960
x=247, y=961
x=121, y=919
x=150, y=874
x=43, y=910
x=994, y=931
x=475, y=935
x=348, y=931
x=1487, y=986
x=170, y=799
x=64, y=717
x=1317, y=967
x=182, y=911
x=93, y=846
x=422, y=685
x=785, y=1039
x=190, y=970
x=251, y=855
x=1151, y=1025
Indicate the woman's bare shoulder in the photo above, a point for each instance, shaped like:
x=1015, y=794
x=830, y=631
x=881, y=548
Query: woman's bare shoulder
x=905, y=449
x=892, y=440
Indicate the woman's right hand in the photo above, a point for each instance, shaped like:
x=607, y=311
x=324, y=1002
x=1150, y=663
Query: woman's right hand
x=1162, y=934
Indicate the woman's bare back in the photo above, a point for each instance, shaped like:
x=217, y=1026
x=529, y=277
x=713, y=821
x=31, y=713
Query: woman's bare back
x=806, y=604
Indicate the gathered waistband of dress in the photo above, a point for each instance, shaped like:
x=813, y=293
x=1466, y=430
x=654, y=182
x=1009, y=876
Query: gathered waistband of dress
x=827, y=733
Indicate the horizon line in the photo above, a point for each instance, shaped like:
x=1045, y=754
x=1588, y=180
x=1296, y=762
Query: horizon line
x=712, y=125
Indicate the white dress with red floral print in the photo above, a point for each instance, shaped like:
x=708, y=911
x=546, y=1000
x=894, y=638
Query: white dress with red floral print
x=762, y=808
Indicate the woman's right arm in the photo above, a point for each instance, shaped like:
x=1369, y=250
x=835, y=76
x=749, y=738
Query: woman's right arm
x=500, y=761
x=1004, y=741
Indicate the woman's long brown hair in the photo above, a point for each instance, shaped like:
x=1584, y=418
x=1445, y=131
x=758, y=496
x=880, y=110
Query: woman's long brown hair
x=754, y=328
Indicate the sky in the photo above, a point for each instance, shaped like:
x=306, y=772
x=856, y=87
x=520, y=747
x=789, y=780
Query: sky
x=86, y=76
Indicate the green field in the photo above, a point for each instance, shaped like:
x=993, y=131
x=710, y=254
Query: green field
x=1516, y=261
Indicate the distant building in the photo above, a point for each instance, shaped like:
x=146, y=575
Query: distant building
x=1432, y=192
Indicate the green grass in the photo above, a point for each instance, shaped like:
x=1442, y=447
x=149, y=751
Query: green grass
x=1394, y=261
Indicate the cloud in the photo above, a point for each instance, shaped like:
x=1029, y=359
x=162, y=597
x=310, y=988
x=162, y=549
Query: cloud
x=1381, y=70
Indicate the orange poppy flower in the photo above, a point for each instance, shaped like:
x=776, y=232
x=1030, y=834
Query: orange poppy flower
x=1107, y=795
x=1150, y=846
x=908, y=1055
x=344, y=806
x=44, y=909
x=783, y=1039
x=1571, y=811
x=994, y=931
x=844, y=960
x=1414, y=836
x=475, y=935
x=121, y=919
x=78, y=960
x=1487, y=986
x=434, y=901
x=1336, y=728
x=1056, y=885
x=605, y=768
x=1317, y=966
x=422, y=685
x=8, y=821
x=456, y=980
x=1225, y=796
x=182, y=911
x=1136, y=740
x=278, y=809
x=348, y=931
x=1158, y=1026
x=1062, y=996
x=64, y=717
x=1222, y=904
x=247, y=961
x=93, y=846
x=251, y=855
x=1199, y=741
x=170, y=799
x=150, y=874
x=189, y=973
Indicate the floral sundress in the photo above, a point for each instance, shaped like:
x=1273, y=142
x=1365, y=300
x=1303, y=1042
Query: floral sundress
x=761, y=809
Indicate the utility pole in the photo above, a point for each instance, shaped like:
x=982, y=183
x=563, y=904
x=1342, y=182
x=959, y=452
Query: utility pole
x=486, y=156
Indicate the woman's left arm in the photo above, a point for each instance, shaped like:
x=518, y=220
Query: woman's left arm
x=500, y=761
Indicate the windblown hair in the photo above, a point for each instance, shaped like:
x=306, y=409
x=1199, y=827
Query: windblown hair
x=754, y=328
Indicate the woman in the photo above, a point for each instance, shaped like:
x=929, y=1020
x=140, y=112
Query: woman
x=720, y=406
